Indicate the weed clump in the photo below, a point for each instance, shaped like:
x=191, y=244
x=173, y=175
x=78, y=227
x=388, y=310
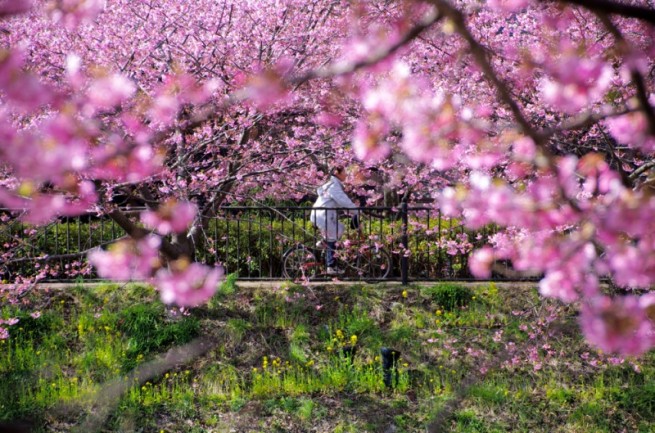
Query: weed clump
x=450, y=296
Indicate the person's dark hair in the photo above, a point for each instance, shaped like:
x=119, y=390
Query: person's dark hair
x=336, y=169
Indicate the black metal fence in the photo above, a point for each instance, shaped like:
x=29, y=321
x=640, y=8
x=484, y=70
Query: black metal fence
x=253, y=241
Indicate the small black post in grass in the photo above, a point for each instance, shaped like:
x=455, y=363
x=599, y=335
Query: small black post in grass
x=404, y=264
x=389, y=363
x=348, y=353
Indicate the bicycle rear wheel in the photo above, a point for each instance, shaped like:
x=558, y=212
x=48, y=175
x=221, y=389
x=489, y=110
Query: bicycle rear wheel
x=299, y=263
x=374, y=263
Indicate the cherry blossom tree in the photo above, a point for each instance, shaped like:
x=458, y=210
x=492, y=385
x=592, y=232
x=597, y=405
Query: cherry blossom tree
x=535, y=116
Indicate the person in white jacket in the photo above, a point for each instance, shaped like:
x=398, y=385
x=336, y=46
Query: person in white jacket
x=331, y=196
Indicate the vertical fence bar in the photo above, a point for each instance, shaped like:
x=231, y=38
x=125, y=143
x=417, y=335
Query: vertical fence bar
x=216, y=259
x=57, y=241
x=439, y=270
x=293, y=226
x=416, y=257
x=93, y=230
x=427, y=242
x=451, y=273
x=238, y=241
x=392, y=223
x=381, y=239
x=404, y=265
x=68, y=235
x=270, y=243
x=249, y=258
x=227, y=239
x=463, y=258
x=259, y=243
x=304, y=224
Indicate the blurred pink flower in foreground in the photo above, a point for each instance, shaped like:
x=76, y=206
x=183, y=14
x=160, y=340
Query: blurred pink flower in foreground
x=12, y=7
x=128, y=260
x=481, y=261
x=187, y=284
x=172, y=216
x=74, y=12
x=618, y=325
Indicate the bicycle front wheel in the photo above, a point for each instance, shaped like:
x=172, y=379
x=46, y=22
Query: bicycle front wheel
x=374, y=264
x=300, y=263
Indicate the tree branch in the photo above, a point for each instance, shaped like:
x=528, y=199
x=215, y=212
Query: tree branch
x=622, y=9
x=639, y=171
x=635, y=75
x=136, y=233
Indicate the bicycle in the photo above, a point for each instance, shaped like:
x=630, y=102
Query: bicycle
x=304, y=262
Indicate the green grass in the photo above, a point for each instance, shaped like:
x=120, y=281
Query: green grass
x=292, y=359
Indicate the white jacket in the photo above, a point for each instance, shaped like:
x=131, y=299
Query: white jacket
x=330, y=195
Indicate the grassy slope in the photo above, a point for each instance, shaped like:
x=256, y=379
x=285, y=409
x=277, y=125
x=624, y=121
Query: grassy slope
x=510, y=362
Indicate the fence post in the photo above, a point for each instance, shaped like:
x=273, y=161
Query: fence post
x=404, y=264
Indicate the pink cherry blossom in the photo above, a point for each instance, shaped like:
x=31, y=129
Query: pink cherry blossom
x=171, y=217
